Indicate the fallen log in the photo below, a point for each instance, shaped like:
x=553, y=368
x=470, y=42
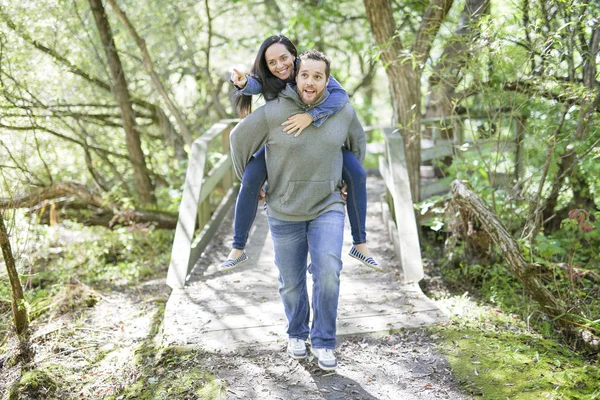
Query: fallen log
x=76, y=201
x=57, y=190
x=471, y=205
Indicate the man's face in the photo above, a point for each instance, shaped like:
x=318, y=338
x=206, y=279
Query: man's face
x=311, y=80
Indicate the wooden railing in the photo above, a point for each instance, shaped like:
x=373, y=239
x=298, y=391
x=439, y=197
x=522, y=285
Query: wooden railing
x=210, y=190
x=399, y=211
x=436, y=147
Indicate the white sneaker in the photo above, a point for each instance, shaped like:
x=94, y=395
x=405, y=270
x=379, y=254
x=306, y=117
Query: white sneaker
x=296, y=348
x=326, y=358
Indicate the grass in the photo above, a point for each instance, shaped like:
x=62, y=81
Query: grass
x=34, y=384
x=147, y=372
x=174, y=373
x=494, y=356
x=97, y=257
x=63, y=280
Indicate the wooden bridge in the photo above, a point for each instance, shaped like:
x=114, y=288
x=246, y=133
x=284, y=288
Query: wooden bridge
x=223, y=310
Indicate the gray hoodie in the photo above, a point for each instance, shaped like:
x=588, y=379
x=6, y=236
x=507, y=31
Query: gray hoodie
x=304, y=172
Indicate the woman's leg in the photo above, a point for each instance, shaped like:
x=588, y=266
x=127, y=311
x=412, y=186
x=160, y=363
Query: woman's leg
x=247, y=203
x=356, y=203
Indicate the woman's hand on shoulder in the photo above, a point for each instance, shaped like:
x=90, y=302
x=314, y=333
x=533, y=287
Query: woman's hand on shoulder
x=297, y=122
x=238, y=79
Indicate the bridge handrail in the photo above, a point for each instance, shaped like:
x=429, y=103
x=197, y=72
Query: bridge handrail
x=402, y=223
x=195, y=210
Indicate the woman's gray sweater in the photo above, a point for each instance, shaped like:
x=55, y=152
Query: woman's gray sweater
x=304, y=172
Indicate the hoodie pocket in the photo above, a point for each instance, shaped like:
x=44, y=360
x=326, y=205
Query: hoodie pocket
x=306, y=197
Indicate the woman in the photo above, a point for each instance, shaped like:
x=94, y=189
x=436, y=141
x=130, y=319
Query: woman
x=273, y=68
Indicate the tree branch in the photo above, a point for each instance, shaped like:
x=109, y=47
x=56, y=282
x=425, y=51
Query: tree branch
x=154, y=78
x=62, y=60
x=104, y=213
x=64, y=137
x=430, y=25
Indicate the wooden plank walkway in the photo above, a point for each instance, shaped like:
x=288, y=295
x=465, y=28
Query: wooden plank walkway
x=224, y=311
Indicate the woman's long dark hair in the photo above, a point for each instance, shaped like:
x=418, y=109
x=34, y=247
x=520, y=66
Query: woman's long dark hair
x=271, y=85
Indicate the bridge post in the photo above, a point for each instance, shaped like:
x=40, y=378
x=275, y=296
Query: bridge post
x=395, y=174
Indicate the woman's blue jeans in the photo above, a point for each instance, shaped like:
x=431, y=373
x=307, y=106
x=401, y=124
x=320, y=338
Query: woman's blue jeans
x=322, y=237
x=255, y=176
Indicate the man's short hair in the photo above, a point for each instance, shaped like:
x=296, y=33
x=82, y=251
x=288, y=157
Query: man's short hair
x=317, y=55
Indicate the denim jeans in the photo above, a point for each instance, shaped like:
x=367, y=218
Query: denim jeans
x=356, y=202
x=322, y=238
x=246, y=204
x=255, y=175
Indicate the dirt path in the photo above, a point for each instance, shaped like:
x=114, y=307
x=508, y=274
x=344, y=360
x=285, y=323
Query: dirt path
x=94, y=352
x=402, y=365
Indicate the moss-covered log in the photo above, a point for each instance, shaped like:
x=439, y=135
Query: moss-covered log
x=471, y=205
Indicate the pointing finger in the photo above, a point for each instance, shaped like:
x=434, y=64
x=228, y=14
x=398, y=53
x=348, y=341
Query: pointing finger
x=238, y=73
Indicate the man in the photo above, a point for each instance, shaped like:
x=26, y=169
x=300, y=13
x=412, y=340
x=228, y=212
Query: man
x=304, y=202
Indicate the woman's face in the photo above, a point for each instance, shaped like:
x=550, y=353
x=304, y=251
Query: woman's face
x=280, y=61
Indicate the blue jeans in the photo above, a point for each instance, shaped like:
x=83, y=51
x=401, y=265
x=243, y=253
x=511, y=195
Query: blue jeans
x=246, y=204
x=356, y=202
x=322, y=237
x=255, y=175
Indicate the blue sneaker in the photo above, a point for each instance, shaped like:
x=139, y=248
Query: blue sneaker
x=230, y=264
x=368, y=261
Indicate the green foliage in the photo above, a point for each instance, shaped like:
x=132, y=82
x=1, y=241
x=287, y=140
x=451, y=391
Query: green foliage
x=566, y=261
x=34, y=384
x=163, y=378
x=161, y=369
x=546, y=88
x=98, y=258
x=371, y=161
x=431, y=212
x=494, y=355
x=566, y=257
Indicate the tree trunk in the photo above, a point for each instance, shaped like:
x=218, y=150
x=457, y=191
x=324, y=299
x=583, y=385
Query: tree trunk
x=18, y=300
x=471, y=205
x=404, y=85
x=403, y=72
x=144, y=185
x=446, y=74
x=155, y=79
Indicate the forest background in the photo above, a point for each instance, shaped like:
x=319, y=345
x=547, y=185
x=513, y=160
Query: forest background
x=100, y=101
